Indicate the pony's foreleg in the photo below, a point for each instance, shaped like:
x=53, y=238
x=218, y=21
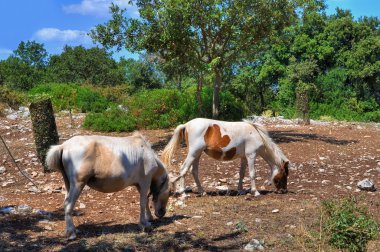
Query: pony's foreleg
x=243, y=165
x=71, y=198
x=144, y=223
x=148, y=213
x=252, y=173
x=196, y=176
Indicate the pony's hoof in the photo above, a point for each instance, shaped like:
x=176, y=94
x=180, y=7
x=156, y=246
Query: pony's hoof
x=201, y=193
x=241, y=192
x=71, y=236
x=146, y=227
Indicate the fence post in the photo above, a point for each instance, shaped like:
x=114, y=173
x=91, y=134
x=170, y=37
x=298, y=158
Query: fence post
x=44, y=128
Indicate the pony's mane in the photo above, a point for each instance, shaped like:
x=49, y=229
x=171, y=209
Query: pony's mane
x=137, y=134
x=273, y=148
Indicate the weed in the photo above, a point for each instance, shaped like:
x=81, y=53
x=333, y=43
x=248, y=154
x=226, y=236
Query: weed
x=348, y=225
x=241, y=227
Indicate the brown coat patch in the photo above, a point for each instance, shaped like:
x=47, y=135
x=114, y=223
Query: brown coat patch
x=215, y=142
x=101, y=169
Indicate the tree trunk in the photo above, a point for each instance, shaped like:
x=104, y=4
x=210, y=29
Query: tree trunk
x=215, y=96
x=44, y=128
x=199, y=94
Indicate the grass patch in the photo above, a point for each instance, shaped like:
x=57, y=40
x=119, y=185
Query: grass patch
x=343, y=224
x=348, y=224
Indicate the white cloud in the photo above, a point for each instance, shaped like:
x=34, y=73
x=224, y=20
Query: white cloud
x=94, y=7
x=54, y=34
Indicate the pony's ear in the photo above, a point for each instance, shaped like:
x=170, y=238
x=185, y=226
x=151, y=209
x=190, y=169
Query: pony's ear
x=285, y=167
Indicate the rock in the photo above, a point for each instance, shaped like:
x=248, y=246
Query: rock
x=2, y=169
x=222, y=188
x=254, y=245
x=229, y=223
x=24, y=209
x=223, y=180
x=33, y=189
x=366, y=185
x=275, y=211
x=81, y=205
x=11, y=117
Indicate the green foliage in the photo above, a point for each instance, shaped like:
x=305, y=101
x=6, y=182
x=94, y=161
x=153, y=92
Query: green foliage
x=348, y=225
x=32, y=54
x=114, y=119
x=11, y=98
x=142, y=74
x=19, y=75
x=86, y=66
x=162, y=108
x=158, y=108
x=71, y=96
x=241, y=227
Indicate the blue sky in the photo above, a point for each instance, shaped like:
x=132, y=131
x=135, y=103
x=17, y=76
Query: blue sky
x=57, y=23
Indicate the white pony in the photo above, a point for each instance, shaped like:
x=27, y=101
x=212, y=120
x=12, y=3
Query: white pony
x=109, y=164
x=226, y=141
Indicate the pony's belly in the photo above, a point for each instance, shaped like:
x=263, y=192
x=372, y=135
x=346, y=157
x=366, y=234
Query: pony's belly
x=221, y=155
x=107, y=185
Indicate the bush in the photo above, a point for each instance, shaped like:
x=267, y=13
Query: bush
x=158, y=108
x=72, y=96
x=163, y=108
x=113, y=119
x=11, y=98
x=349, y=225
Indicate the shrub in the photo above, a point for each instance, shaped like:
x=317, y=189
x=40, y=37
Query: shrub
x=11, y=98
x=348, y=225
x=158, y=108
x=113, y=119
x=163, y=108
x=71, y=96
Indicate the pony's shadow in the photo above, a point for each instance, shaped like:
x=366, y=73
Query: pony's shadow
x=88, y=230
x=245, y=192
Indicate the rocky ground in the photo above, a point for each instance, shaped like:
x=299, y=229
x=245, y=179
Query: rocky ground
x=327, y=162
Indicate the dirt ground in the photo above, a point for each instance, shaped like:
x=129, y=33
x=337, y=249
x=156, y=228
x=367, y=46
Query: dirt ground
x=327, y=162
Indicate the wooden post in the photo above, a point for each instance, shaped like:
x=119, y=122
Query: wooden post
x=44, y=128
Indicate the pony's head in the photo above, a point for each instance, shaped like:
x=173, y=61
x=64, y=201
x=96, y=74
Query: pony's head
x=280, y=179
x=160, y=191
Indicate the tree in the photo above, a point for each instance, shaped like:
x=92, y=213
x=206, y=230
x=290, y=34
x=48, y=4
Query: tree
x=142, y=74
x=81, y=65
x=32, y=54
x=303, y=74
x=25, y=67
x=208, y=35
x=19, y=75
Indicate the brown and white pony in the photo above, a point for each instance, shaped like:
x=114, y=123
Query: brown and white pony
x=109, y=164
x=226, y=141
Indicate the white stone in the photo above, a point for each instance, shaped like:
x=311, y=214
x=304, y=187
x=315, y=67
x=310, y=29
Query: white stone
x=2, y=169
x=254, y=245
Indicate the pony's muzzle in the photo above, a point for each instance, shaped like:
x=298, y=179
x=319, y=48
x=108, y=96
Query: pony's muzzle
x=160, y=213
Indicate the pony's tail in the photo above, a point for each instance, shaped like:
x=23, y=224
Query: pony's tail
x=54, y=162
x=173, y=144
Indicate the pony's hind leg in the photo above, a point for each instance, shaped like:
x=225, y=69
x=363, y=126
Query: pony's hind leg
x=71, y=198
x=252, y=173
x=191, y=156
x=243, y=165
x=196, y=176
